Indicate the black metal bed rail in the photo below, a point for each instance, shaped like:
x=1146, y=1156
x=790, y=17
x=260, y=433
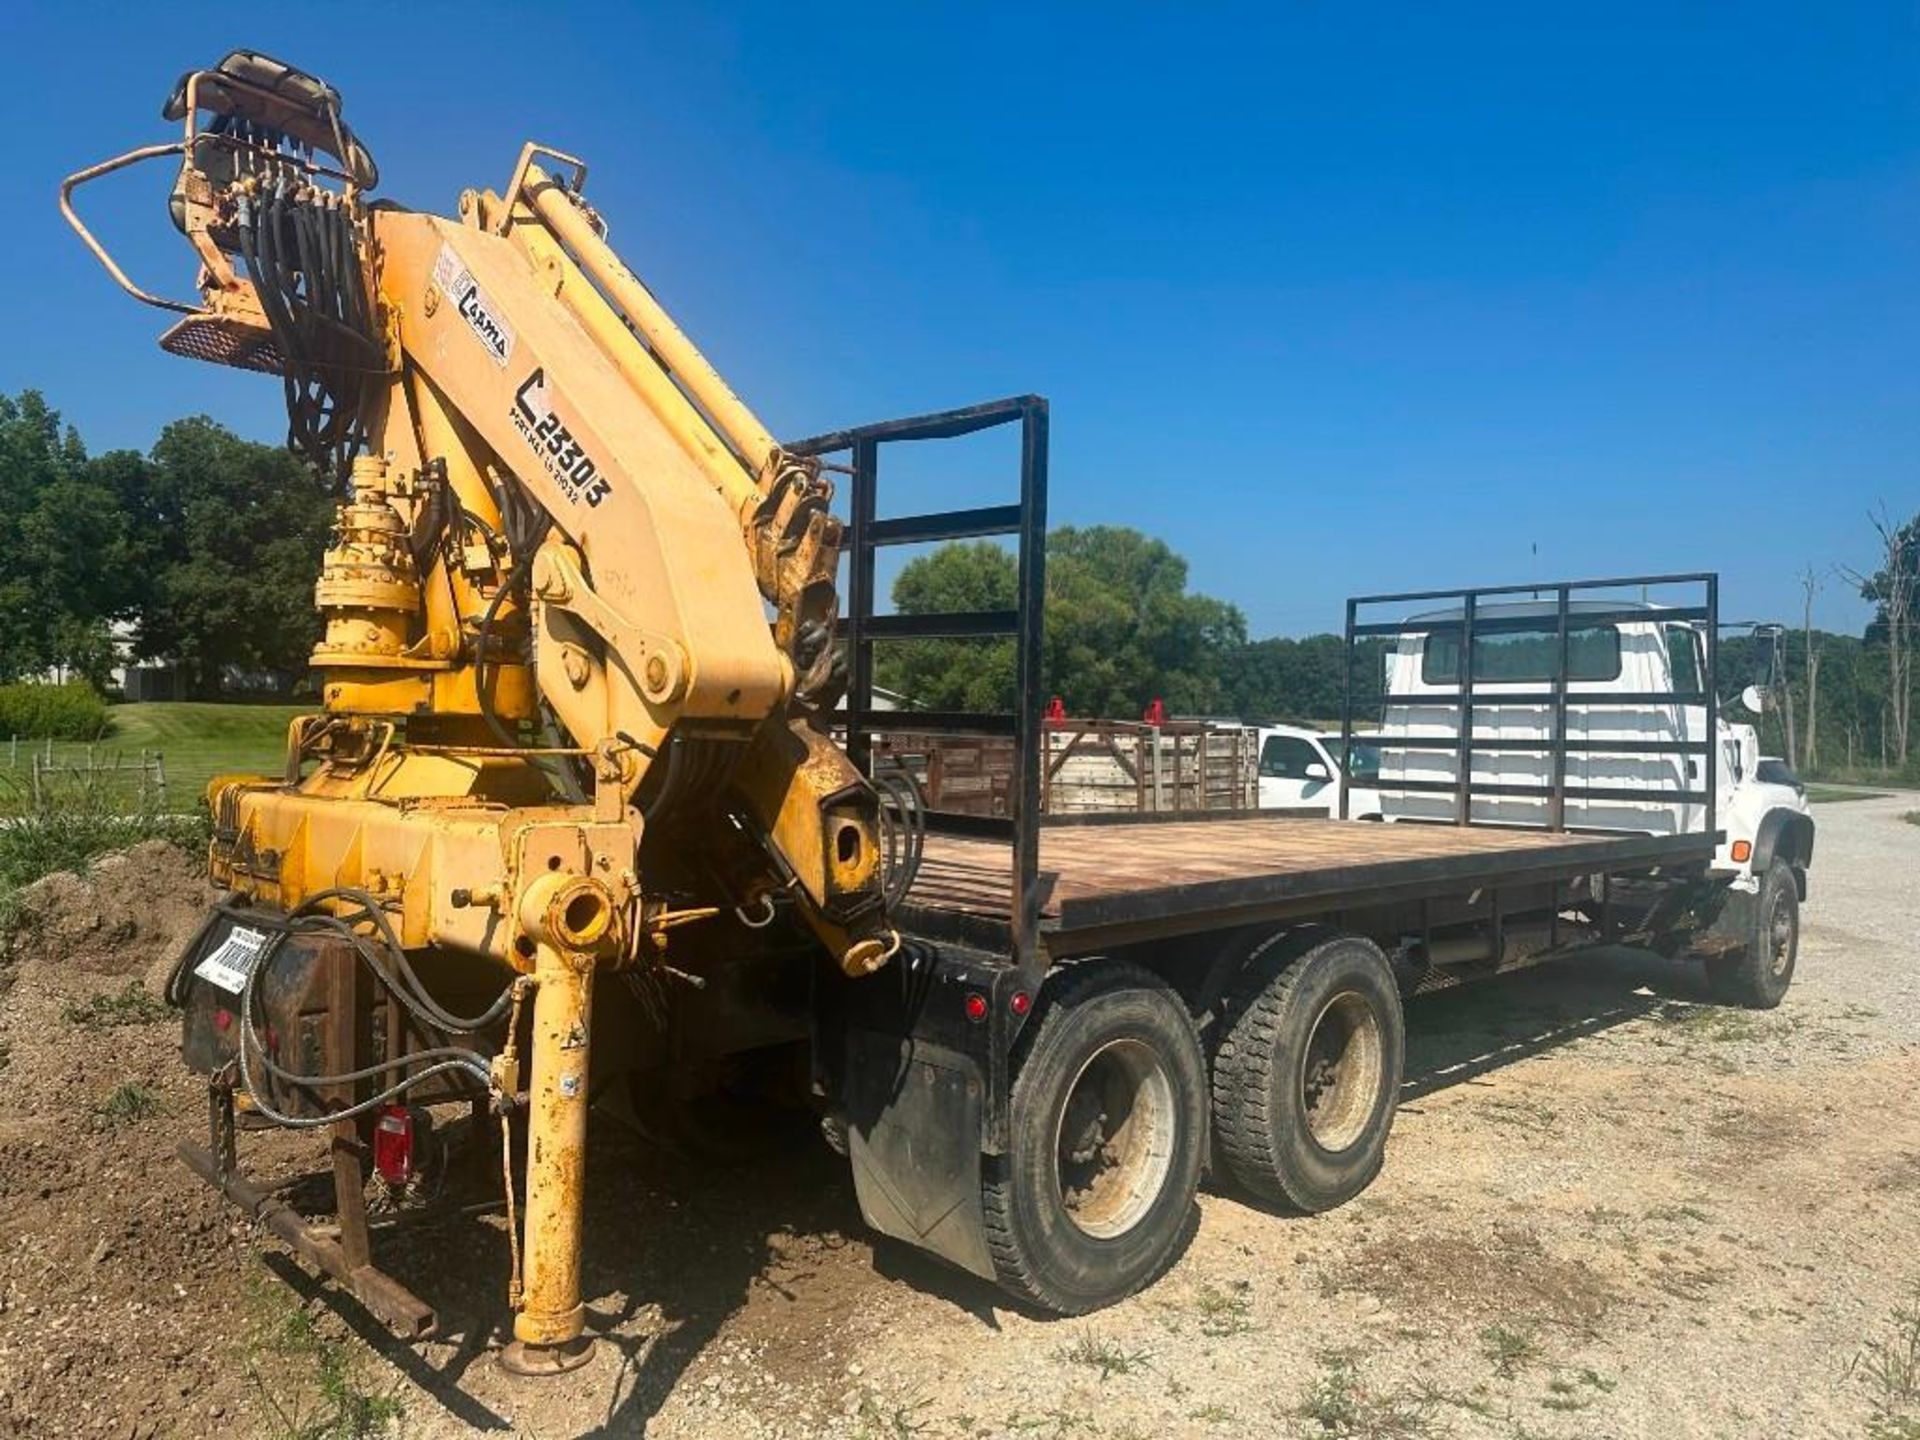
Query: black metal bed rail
x=861, y=628
x=1463, y=619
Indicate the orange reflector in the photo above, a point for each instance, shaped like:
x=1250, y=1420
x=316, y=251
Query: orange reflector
x=1742, y=851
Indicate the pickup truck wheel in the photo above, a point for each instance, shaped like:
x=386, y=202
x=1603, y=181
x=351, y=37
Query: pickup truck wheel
x=1307, y=1074
x=1758, y=973
x=1094, y=1196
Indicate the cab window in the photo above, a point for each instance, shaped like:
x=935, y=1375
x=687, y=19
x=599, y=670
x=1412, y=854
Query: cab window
x=1684, y=660
x=1533, y=653
x=1286, y=757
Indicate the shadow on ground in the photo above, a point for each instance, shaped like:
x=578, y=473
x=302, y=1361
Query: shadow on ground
x=1458, y=1035
x=677, y=1252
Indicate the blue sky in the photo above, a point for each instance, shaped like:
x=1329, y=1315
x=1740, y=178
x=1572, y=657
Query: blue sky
x=1332, y=297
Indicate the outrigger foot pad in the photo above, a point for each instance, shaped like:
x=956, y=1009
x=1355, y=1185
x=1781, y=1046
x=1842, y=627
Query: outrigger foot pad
x=526, y=1359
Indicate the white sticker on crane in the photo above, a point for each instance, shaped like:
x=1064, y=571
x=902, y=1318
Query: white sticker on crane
x=230, y=962
x=456, y=282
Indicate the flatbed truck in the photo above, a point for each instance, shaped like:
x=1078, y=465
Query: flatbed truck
x=573, y=819
x=1094, y=1011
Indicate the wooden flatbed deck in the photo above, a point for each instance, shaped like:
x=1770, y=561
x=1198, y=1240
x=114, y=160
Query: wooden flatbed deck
x=1104, y=883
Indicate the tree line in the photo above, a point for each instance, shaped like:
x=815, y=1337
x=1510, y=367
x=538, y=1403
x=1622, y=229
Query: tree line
x=202, y=552
x=1123, y=629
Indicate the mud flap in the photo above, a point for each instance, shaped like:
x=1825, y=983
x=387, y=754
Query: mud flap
x=1730, y=929
x=913, y=1135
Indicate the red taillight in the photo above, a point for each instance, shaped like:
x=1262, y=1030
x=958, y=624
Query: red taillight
x=976, y=1006
x=393, y=1145
x=1020, y=1002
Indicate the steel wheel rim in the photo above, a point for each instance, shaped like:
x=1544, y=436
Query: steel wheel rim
x=1114, y=1139
x=1780, y=926
x=1341, y=1073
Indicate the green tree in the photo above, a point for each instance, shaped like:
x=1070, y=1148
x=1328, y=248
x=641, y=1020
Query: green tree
x=1894, y=590
x=1122, y=628
x=235, y=532
x=64, y=562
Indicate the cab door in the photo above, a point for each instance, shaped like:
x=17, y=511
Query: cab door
x=1686, y=673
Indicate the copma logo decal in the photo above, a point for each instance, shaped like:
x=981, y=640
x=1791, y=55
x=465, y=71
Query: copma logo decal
x=460, y=287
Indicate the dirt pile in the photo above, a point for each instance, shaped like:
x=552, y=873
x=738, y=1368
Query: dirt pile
x=119, y=1278
x=129, y=914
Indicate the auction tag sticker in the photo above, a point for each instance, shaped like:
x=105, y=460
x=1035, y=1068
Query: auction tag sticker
x=230, y=962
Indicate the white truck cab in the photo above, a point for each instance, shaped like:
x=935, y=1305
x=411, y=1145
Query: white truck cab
x=1618, y=775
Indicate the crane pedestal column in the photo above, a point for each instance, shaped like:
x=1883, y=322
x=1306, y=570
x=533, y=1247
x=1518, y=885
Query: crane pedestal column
x=548, y=1338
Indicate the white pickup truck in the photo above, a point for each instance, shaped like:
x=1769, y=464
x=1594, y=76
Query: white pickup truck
x=1300, y=769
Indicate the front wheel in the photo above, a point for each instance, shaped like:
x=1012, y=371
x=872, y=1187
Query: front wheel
x=1094, y=1195
x=1758, y=973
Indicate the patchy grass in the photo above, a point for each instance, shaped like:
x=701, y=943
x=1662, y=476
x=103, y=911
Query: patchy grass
x=1568, y=1395
x=1912, y=817
x=1521, y=1114
x=1225, y=1312
x=1679, y=1212
x=1343, y=1406
x=1722, y=1024
x=1830, y=795
x=1511, y=1347
x=1474, y=1402
x=1889, y=1368
x=128, y=1104
x=876, y=1417
x=1107, y=1356
x=131, y=1006
x=1054, y=1424
x=306, y=1381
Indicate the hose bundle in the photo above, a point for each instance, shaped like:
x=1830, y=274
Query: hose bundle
x=302, y=252
x=903, y=829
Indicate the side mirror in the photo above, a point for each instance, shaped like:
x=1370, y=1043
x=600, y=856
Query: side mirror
x=1317, y=771
x=1755, y=699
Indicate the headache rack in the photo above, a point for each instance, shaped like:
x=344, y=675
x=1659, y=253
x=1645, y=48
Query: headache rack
x=861, y=628
x=1464, y=614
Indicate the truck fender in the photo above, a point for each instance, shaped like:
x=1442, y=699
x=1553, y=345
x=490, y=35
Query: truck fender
x=1786, y=835
x=1224, y=956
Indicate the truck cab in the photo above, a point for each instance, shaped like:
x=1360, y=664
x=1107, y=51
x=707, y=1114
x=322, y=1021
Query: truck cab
x=1636, y=717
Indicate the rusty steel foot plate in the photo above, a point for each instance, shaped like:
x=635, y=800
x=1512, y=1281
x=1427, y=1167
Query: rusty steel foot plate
x=520, y=1358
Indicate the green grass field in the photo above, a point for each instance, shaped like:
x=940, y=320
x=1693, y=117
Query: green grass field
x=1830, y=795
x=194, y=741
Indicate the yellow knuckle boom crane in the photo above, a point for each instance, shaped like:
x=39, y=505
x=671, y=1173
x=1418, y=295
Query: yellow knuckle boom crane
x=574, y=812
x=577, y=663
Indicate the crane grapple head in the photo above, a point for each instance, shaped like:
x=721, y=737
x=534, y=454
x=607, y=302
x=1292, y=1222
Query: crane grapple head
x=269, y=197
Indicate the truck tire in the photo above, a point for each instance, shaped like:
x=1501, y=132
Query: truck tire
x=1307, y=1074
x=1758, y=973
x=1107, y=1122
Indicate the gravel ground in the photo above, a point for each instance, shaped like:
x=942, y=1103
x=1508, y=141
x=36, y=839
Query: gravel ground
x=1609, y=1209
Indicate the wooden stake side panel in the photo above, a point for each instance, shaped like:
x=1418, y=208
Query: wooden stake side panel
x=1091, y=767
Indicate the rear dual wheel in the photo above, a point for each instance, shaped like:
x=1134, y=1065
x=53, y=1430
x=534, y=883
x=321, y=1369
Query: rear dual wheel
x=1108, y=1118
x=1095, y=1193
x=1307, y=1074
